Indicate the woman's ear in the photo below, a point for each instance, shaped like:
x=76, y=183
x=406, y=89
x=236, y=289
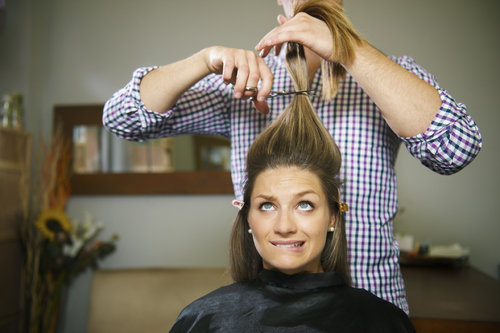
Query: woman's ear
x=332, y=222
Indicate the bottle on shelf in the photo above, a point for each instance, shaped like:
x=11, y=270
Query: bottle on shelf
x=11, y=111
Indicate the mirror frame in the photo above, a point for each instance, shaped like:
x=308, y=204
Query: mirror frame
x=131, y=183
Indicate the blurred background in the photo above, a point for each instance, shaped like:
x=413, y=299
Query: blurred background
x=80, y=52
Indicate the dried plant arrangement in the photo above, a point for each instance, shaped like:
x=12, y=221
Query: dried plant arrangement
x=57, y=248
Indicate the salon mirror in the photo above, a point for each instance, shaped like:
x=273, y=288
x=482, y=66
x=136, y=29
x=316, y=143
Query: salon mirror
x=105, y=164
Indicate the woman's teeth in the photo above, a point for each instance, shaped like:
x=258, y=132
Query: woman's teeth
x=298, y=244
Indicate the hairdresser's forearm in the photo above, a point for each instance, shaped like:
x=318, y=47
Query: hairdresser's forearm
x=407, y=103
x=161, y=88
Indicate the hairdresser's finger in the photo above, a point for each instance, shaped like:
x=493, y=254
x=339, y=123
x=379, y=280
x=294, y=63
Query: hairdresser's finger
x=267, y=81
x=282, y=33
x=264, y=51
x=281, y=20
x=253, y=73
x=261, y=106
x=264, y=46
x=228, y=69
x=274, y=38
x=241, y=63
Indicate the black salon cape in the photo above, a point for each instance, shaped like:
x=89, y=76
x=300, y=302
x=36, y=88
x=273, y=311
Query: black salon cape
x=276, y=302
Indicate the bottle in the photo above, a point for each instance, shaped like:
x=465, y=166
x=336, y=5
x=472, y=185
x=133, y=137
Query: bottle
x=11, y=111
x=17, y=111
x=6, y=112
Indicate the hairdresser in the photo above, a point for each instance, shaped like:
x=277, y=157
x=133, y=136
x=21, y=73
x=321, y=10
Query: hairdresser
x=381, y=102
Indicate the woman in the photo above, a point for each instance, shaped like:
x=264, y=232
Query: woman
x=288, y=252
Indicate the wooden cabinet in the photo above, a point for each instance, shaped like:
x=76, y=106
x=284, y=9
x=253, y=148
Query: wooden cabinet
x=450, y=299
x=14, y=183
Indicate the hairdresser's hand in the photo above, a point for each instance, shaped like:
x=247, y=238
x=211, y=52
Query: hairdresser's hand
x=302, y=28
x=242, y=68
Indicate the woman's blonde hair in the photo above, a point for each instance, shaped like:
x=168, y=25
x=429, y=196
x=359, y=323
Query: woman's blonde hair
x=297, y=139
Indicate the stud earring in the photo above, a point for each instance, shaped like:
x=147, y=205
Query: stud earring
x=332, y=229
x=249, y=231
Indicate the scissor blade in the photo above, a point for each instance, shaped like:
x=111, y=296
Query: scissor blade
x=275, y=93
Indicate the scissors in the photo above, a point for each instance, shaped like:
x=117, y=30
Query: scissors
x=276, y=93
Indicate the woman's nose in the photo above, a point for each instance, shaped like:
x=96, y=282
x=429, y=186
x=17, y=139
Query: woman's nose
x=285, y=223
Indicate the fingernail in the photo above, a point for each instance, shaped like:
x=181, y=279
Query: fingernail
x=261, y=53
x=261, y=98
x=237, y=95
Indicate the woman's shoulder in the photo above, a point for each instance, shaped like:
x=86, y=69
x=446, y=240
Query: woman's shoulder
x=217, y=307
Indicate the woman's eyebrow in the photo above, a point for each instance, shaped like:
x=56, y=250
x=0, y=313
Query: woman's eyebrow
x=271, y=197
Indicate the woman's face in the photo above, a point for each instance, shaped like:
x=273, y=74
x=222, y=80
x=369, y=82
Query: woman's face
x=289, y=218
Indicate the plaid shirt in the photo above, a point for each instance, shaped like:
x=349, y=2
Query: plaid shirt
x=369, y=149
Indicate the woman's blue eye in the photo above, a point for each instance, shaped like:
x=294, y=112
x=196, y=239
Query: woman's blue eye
x=305, y=205
x=266, y=206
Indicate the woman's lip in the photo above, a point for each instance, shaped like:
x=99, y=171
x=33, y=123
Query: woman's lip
x=289, y=244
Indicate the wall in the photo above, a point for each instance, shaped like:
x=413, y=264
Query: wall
x=61, y=52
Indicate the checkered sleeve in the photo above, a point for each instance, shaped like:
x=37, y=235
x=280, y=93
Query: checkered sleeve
x=452, y=140
x=203, y=109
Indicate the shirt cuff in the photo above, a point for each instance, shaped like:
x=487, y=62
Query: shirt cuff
x=151, y=121
x=449, y=113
